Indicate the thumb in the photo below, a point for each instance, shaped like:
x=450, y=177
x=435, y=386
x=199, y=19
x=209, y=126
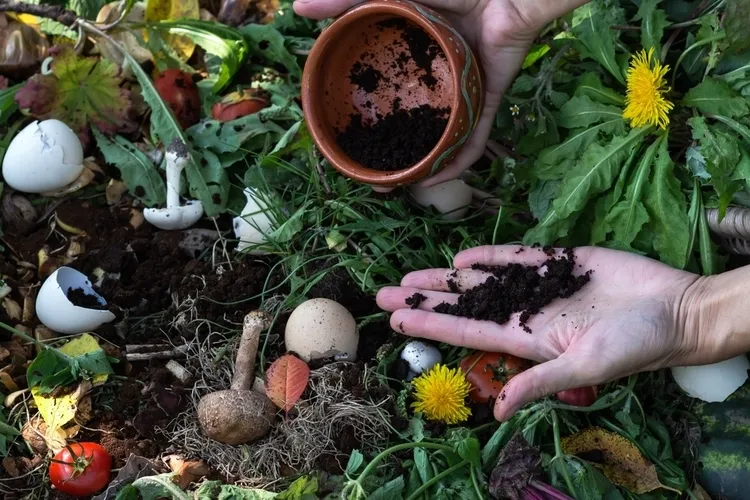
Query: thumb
x=535, y=383
x=323, y=9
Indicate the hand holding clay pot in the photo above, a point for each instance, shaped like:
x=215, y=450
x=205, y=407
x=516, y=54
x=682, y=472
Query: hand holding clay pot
x=500, y=32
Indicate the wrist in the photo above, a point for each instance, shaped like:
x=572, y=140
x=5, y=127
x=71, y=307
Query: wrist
x=714, y=318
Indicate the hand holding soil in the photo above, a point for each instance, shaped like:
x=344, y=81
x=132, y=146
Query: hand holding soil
x=632, y=316
x=500, y=31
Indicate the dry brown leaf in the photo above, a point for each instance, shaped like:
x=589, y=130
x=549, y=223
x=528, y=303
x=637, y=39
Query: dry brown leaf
x=76, y=247
x=83, y=180
x=29, y=311
x=68, y=228
x=4, y=353
x=700, y=493
x=11, y=467
x=136, y=218
x=187, y=471
x=85, y=410
x=8, y=381
x=621, y=462
x=12, y=309
x=115, y=190
x=33, y=432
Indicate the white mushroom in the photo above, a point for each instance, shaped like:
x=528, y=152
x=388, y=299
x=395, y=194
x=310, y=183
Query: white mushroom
x=420, y=357
x=715, y=382
x=175, y=216
x=322, y=328
x=255, y=221
x=44, y=156
x=58, y=313
x=452, y=198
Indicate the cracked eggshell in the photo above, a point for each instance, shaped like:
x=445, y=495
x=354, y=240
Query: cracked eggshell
x=715, y=382
x=44, y=156
x=450, y=198
x=57, y=313
x=321, y=328
x=254, y=222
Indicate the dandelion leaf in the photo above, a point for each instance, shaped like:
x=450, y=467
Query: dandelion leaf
x=618, y=459
x=716, y=97
x=653, y=21
x=581, y=111
x=735, y=23
x=591, y=86
x=596, y=42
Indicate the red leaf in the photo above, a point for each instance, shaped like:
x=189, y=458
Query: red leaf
x=286, y=380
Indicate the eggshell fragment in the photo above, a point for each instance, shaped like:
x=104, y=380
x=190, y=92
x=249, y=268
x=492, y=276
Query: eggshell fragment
x=59, y=314
x=44, y=156
x=715, y=382
x=254, y=222
x=321, y=328
x=450, y=198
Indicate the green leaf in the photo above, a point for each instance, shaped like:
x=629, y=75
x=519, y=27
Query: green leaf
x=47, y=369
x=541, y=197
x=667, y=207
x=129, y=492
x=498, y=440
x=716, y=97
x=721, y=151
x=591, y=86
x=597, y=42
x=736, y=22
x=697, y=163
x=211, y=176
x=416, y=429
x=224, y=42
x=583, y=112
x=138, y=172
x=422, y=464
x=7, y=102
x=389, y=491
x=161, y=486
x=355, y=462
x=86, y=8
x=593, y=174
x=536, y=53
x=523, y=83
x=231, y=136
x=290, y=227
x=301, y=489
x=627, y=217
x=653, y=22
x=266, y=42
x=742, y=173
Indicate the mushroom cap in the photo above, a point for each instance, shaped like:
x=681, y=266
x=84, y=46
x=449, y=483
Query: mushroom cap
x=175, y=218
x=236, y=417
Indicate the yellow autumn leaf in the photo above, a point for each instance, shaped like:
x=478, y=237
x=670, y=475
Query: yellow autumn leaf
x=169, y=10
x=84, y=345
x=618, y=459
x=58, y=412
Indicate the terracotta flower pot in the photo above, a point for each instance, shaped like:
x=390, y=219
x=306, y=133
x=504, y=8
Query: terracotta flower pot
x=372, y=36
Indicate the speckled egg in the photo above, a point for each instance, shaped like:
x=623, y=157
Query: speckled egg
x=321, y=328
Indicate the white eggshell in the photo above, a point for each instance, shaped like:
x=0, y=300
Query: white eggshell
x=450, y=198
x=44, y=156
x=715, y=382
x=420, y=356
x=254, y=222
x=57, y=312
x=321, y=328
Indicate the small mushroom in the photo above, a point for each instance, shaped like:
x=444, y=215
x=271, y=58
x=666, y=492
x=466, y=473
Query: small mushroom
x=239, y=415
x=420, y=357
x=175, y=216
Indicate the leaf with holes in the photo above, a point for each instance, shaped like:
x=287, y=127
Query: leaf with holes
x=286, y=380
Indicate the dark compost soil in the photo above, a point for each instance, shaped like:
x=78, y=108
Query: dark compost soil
x=518, y=288
x=79, y=297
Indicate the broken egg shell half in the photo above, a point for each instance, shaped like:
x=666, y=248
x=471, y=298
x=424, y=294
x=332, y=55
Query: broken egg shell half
x=452, y=198
x=322, y=328
x=44, y=156
x=713, y=383
x=57, y=313
x=254, y=222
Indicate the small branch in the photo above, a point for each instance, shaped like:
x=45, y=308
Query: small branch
x=141, y=353
x=56, y=12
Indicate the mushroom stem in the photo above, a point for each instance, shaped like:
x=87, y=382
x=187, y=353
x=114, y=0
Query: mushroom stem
x=177, y=157
x=244, y=365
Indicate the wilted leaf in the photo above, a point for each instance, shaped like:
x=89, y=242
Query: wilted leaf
x=616, y=457
x=79, y=91
x=286, y=380
x=516, y=466
x=140, y=175
x=187, y=471
x=716, y=97
x=163, y=10
x=57, y=412
x=126, y=38
x=135, y=468
x=90, y=357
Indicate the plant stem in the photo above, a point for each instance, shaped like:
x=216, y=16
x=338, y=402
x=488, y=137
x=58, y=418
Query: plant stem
x=435, y=479
x=394, y=449
x=559, y=455
x=696, y=45
x=475, y=482
x=27, y=338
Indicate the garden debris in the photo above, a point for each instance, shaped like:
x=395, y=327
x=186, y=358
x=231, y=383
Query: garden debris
x=517, y=464
x=617, y=457
x=18, y=212
x=135, y=468
x=518, y=288
x=154, y=351
x=187, y=471
x=23, y=46
x=58, y=412
x=286, y=380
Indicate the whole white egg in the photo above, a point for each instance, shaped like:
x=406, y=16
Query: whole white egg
x=451, y=198
x=44, y=156
x=321, y=328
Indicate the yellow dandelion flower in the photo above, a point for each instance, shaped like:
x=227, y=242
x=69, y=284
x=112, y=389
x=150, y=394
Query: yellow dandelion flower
x=646, y=104
x=441, y=395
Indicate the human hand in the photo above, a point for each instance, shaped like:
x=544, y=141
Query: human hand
x=500, y=31
x=629, y=318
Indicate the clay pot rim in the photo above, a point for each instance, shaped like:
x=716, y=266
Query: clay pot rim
x=338, y=159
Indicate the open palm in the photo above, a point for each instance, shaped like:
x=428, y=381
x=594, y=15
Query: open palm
x=500, y=31
x=625, y=320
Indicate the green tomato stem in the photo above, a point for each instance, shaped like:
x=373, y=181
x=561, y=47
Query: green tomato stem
x=435, y=479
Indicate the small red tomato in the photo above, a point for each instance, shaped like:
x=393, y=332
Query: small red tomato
x=239, y=104
x=80, y=469
x=583, y=396
x=488, y=372
x=181, y=94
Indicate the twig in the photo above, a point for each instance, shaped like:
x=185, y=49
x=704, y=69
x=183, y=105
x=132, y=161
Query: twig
x=56, y=12
x=132, y=354
x=321, y=173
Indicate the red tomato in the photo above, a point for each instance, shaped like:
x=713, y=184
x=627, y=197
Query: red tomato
x=583, y=396
x=181, y=94
x=239, y=104
x=488, y=372
x=80, y=469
